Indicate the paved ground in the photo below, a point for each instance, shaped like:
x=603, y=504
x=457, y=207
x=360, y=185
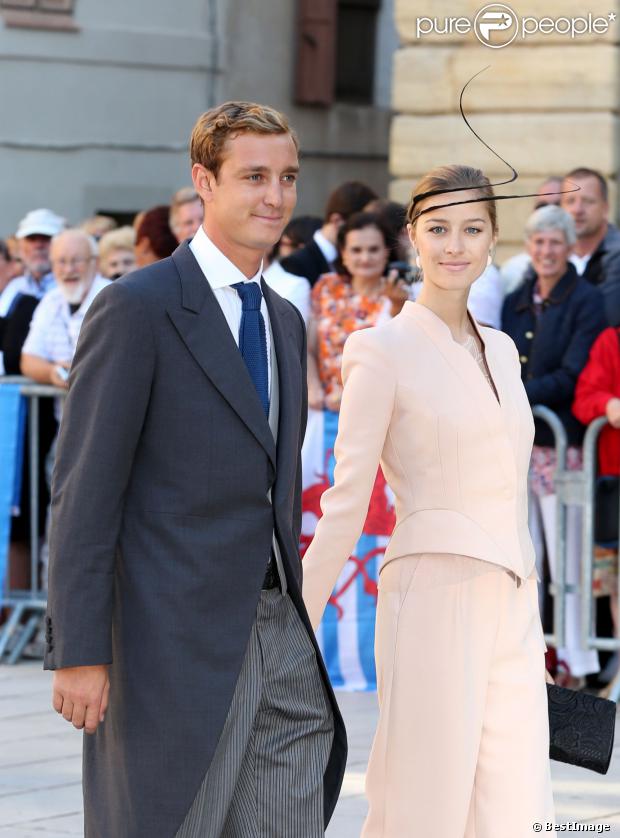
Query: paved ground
x=40, y=794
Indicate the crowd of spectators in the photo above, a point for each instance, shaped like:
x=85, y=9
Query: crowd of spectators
x=349, y=268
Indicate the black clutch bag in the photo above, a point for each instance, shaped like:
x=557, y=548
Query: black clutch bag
x=581, y=728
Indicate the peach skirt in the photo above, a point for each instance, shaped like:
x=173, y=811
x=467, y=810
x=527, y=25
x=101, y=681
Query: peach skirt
x=462, y=743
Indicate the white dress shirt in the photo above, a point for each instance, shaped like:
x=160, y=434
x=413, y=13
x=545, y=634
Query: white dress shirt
x=580, y=262
x=295, y=289
x=329, y=250
x=222, y=274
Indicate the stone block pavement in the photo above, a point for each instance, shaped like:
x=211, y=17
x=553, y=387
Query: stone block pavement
x=40, y=794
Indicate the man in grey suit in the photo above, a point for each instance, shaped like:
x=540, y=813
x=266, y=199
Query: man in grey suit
x=175, y=621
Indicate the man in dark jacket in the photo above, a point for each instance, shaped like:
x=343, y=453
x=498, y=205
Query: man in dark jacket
x=175, y=620
x=596, y=254
x=319, y=256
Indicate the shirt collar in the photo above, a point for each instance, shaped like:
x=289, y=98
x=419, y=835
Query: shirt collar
x=328, y=250
x=38, y=287
x=219, y=271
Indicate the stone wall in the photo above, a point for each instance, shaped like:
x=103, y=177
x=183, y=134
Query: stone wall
x=547, y=103
x=97, y=113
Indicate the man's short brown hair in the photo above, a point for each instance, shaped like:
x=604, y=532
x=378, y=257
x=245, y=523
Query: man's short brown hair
x=225, y=122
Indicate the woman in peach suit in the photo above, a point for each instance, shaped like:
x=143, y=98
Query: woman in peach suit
x=462, y=744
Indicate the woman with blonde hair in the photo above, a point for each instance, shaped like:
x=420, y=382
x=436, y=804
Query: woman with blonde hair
x=116, y=256
x=462, y=744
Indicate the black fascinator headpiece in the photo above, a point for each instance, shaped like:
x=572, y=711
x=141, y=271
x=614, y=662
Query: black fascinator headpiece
x=417, y=200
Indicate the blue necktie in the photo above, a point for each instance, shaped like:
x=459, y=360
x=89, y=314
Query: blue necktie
x=253, y=338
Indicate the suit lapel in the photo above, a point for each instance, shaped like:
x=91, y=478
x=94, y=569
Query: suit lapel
x=202, y=326
x=282, y=323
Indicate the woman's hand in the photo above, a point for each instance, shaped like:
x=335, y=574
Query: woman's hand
x=612, y=412
x=396, y=292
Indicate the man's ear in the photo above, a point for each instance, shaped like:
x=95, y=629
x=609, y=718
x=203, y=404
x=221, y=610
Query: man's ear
x=204, y=182
x=336, y=219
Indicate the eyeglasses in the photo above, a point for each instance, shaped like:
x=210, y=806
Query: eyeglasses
x=77, y=262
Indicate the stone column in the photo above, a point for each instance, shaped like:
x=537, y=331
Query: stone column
x=547, y=103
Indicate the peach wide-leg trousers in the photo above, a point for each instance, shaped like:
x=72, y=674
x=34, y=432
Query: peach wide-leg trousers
x=462, y=743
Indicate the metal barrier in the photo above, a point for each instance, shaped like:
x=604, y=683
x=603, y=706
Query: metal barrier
x=577, y=488
x=564, y=490
x=589, y=640
x=32, y=603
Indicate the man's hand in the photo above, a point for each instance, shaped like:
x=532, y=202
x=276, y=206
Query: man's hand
x=56, y=379
x=80, y=695
x=613, y=412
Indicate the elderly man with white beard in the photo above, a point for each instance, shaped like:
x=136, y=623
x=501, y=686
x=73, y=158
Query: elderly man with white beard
x=55, y=328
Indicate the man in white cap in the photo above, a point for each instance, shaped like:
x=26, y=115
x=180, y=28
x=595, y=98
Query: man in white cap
x=34, y=234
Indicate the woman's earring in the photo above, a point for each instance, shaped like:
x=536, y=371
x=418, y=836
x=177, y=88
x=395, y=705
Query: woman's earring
x=418, y=262
x=489, y=259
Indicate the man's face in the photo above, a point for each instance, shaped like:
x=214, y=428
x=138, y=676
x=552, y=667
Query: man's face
x=587, y=206
x=187, y=220
x=74, y=266
x=35, y=253
x=253, y=197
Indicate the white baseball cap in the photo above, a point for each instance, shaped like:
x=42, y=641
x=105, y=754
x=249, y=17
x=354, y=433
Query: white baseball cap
x=40, y=222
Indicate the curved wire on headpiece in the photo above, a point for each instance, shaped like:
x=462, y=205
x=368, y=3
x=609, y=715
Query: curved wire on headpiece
x=424, y=195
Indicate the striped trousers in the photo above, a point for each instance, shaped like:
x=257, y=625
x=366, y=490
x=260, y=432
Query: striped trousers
x=266, y=776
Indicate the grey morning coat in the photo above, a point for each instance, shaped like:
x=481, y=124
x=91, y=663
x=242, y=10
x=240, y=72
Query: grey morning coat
x=161, y=529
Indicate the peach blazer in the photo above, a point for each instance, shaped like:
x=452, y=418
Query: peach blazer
x=456, y=459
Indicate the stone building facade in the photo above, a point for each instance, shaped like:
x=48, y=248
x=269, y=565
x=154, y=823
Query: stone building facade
x=99, y=98
x=547, y=103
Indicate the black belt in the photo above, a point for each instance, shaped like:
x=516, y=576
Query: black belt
x=272, y=577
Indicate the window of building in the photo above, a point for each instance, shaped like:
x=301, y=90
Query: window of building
x=355, y=50
x=336, y=51
x=39, y=14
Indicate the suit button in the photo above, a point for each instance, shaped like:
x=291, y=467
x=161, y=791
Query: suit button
x=523, y=359
x=529, y=335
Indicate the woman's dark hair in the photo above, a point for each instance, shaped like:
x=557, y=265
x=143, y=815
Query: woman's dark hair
x=154, y=226
x=348, y=198
x=359, y=221
x=394, y=216
x=300, y=231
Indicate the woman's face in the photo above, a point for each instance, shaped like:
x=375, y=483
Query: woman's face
x=364, y=253
x=453, y=243
x=118, y=263
x=549, y=253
